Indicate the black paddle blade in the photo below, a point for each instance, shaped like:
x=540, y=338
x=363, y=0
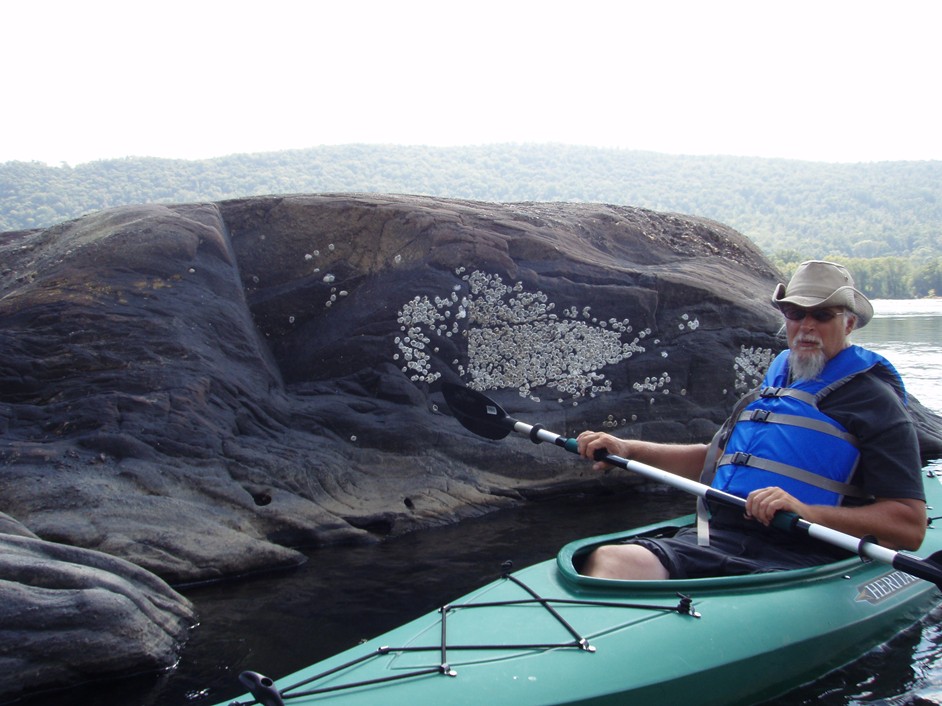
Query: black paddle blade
x=476, y=412
x=929, y=569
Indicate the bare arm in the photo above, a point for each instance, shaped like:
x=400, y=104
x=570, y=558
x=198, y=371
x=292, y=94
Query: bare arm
x=680, y=459
x=897, y=523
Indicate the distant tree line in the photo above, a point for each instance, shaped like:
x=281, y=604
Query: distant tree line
x=885, y=218
x=883, y=277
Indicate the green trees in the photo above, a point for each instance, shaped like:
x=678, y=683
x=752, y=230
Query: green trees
x=883, y=277
x=887, y=215
x=927, y=278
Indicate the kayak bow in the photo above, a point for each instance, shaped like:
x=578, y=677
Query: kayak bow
x=717, y=641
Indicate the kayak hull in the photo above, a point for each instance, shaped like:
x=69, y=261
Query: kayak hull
x=546, y=635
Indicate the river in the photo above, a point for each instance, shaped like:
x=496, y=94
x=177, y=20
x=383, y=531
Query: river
x=278, y=623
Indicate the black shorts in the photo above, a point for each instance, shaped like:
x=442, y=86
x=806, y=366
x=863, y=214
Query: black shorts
x=736, y=549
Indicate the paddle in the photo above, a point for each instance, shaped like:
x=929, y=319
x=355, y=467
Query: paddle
x=481, y=415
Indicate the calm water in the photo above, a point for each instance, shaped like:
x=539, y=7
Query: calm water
x=277, y=624
x=909, y=334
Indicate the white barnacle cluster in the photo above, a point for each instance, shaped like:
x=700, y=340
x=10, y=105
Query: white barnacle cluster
x=750, y=366
x=421, y=318
x=327, y=278
x=688, y=323
x=334, y=294
x=514, y=339
x=611, y=422
x=654, y=384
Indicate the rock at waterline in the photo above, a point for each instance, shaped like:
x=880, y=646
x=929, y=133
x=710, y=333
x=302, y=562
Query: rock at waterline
x=72, y=615
x=201, y=388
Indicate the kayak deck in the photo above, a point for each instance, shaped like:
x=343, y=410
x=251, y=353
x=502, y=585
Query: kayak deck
x=441, y=646
x=548, y=635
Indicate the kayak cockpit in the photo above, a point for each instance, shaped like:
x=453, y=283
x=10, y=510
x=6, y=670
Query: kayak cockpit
x=572, y=556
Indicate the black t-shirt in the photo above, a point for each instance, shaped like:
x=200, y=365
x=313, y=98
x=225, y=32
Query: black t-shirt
x=869, y=408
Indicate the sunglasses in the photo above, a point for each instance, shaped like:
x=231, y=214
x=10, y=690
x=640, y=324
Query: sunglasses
x=820, y=315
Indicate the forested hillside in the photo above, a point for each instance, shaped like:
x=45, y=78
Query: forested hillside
x=793, y=210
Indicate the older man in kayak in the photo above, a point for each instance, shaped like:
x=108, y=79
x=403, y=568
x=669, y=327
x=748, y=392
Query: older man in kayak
x=827, y=436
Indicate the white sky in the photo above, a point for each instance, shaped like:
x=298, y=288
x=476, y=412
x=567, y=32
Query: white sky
x=828, y=80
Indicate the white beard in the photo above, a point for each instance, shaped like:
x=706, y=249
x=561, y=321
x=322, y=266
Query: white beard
x=806, y=365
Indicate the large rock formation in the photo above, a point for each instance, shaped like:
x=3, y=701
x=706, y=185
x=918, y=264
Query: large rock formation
x=200, y=389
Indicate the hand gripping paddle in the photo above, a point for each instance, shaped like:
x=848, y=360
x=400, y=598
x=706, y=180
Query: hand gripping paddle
x=481, y=415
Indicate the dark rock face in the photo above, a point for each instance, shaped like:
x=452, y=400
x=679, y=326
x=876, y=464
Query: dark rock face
x=71, y=615
x=200, y=388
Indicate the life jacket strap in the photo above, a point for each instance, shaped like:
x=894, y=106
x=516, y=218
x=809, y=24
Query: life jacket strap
x=789, y=392
x=765, y=416
x=783, y=469
x=708, y=472
x=703, y=523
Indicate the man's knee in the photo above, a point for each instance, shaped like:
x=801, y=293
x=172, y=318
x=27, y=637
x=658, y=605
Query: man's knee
x=626, y=562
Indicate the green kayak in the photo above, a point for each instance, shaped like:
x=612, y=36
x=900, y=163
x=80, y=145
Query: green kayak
x=547, y=635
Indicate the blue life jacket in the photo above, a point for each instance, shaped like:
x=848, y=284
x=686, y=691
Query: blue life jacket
x=777, y=436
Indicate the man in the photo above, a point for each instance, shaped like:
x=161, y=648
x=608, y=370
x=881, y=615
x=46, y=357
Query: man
x=827, y=437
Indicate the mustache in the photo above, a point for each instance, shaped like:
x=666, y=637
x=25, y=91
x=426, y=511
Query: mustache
x=812, y=340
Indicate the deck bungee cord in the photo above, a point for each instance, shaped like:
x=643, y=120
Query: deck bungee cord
x=266, y=693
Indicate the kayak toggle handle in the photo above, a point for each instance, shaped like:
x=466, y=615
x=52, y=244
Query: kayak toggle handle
x=262, y=688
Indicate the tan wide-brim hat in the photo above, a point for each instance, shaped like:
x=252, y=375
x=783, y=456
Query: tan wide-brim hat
x=817, y=284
